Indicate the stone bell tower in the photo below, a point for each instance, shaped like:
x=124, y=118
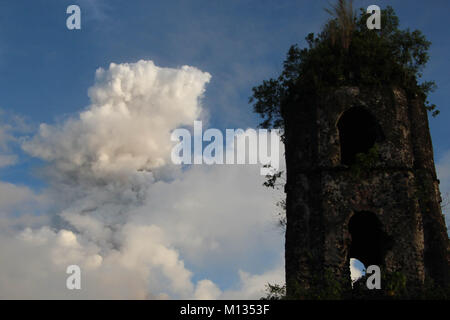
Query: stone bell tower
x=361, y=183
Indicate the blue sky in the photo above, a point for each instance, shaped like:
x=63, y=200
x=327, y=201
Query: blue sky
x=46, y=69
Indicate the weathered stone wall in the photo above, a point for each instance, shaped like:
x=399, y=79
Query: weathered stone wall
x=401, y=189
x=437, y=245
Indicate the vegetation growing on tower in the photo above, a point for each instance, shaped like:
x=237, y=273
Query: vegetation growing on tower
x=347, y=53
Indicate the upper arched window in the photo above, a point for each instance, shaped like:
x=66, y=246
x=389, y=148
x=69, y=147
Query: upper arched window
x=358, y=132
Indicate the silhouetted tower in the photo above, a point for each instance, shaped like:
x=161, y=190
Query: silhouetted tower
x=381, y=208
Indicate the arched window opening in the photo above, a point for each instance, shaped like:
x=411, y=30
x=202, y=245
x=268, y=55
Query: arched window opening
x=369, y=242
x=358, y=132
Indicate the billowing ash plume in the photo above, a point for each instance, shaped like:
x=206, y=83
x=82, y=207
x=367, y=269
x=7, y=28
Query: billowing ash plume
x=134, y=107
x=123, y=213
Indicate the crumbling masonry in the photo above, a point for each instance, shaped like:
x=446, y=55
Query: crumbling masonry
x=382, y=208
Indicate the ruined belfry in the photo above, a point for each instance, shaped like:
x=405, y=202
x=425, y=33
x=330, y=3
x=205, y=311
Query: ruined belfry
x=361, y=183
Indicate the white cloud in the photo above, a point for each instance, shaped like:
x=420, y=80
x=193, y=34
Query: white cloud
x=200, y=218
x=12, y=195
x=214, y=212
x=127, y=127
x=18, y=207
x=7, y=160
x=207, y=290
x=443, y=172
x=253, y=286
x=249, y=287
x=137, y=226
x=8, y=126
x=357, y=269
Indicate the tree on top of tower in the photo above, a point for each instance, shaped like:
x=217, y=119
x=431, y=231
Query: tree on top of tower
x=347, y=53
